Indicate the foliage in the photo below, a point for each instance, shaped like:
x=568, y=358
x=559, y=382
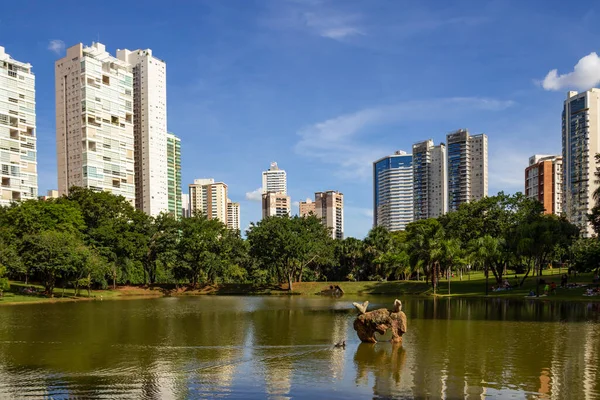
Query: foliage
x=94, y=239
x=287, y=246
x=4, y=284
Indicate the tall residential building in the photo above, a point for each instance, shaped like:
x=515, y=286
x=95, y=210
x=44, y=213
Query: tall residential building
x=544, y=181
x=580, y=144
x=209, y=198
x=329, y=207
x=274, y=180
x=393, y=191
x=429, y=180
x=275, y=205
x=185, y=205
x=467, y=168
x=50, y=194
x=233, y=215
x=18, y=155
x=306, y=208
x=174, y=174
x=94, y=121
x=150, y=129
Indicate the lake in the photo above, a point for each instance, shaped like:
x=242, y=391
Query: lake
x=282, y=347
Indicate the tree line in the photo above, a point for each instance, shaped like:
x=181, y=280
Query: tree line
x=94, y=239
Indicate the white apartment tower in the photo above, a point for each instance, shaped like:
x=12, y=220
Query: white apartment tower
x=233, y=215
x=94, y=121
x=209, y=198
x=185, y=205
x=580, y=144
x=467, y=168
x=430, y=193
x=150, y=129
x=18, y=155
x=274, y=180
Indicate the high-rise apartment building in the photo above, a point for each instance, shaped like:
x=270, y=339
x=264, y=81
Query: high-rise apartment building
x=467, y=168
x=430, y=194
x=185, y=205
x=580, y=144
x=209, y=198
x=150, y=129
x=329, y=208
x=50, y=194
x=174, y=174
x=18, y=154
x=233, y=215
x=94, y=121
x=275, y=205
x=544, y=181
x=393, y=191
x=306, y=208
x=274, y=180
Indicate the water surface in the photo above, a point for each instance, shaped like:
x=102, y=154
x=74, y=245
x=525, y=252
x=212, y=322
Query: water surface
x=282, y=347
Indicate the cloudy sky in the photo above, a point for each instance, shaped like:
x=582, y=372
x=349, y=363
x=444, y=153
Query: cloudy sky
x=325, y=87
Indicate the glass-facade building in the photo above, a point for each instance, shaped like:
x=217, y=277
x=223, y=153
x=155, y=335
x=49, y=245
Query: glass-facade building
x=174, y=174
x=393, y=191
x=580, y=144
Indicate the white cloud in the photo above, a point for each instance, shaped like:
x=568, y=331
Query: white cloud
x=585, y=75
x=344, y=140
x=57, y=46
x=314, y=17
x=295, y=204
x=340, y=33
x=333, y=25
x=255, y=195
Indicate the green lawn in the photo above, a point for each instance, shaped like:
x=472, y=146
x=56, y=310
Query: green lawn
x=15, y=294
x=469, y=286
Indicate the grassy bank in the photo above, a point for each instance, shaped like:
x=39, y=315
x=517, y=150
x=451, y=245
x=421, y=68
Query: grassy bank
x=468, y=286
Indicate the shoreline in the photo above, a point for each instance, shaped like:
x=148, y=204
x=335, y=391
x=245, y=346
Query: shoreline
x=459, y=289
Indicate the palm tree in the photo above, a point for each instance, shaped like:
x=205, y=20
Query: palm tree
x=450, y=253
x=485, y=250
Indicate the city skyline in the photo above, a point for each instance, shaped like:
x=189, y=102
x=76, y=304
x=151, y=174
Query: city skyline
x=275, y=106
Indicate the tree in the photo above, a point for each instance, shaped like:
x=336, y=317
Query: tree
x=4, y=284
x=539, y=239
x=485, y=250
x=162, y=234
x=350, y=254
x=423, y=240
x=287, y=245
x=200, y=249
x=53, y=255
x=116, y=231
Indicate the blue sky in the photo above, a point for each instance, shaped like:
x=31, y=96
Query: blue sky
x=325, y=87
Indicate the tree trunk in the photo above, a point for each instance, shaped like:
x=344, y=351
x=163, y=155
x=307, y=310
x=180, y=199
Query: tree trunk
x=487, y=275
x=525, y=277
x=290, y=279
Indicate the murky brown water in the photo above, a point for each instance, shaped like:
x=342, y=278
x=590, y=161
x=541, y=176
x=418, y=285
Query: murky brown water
x=282, y=347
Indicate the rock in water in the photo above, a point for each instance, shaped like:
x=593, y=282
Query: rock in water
x=368, y=323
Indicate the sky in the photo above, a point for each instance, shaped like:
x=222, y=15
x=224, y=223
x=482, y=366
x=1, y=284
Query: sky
x=326, y=87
